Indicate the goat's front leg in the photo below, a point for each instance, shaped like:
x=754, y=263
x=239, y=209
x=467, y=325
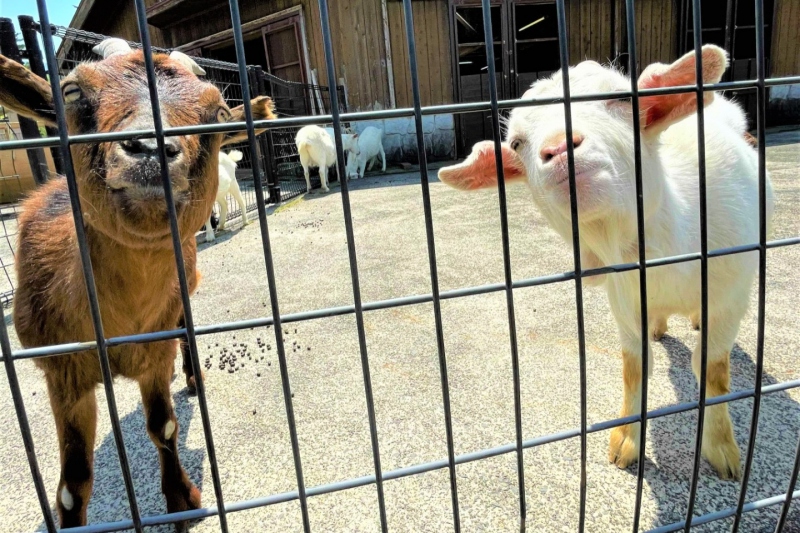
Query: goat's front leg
x=209, y=229
x=623, y=449
x=162, y=426
x=75, y=415
x=719, y=444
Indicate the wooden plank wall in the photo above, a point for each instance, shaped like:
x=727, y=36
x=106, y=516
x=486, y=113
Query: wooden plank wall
x=785, y=44
x=356, y=33
x=591, y=36
x=432, y=35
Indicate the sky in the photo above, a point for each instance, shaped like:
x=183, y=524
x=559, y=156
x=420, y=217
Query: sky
x=60, y=11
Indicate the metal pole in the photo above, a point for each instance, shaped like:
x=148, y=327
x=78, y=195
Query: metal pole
x=28, y=127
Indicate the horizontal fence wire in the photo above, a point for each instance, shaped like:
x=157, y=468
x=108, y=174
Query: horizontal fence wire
x=383, y=114
x=259, y=151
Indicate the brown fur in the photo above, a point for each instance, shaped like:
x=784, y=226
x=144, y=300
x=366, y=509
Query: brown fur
x=129, y=240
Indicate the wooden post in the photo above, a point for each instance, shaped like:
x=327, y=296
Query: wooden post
x=28, y=127
x=34, y=55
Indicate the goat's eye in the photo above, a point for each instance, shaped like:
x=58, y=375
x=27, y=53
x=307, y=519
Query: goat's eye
x=71, y=92
x=515, y=144
x=223, y=115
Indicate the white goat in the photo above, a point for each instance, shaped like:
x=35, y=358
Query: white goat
x=227, y=185
x=604, y=172
x=317, y=148
x=370, y=146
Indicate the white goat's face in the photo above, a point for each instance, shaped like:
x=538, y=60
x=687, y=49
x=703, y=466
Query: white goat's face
x=602, y=138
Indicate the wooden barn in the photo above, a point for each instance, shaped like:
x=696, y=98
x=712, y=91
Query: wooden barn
x=371, y=56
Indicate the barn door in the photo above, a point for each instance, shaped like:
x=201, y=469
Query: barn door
x=473, y=70
x=285, y=60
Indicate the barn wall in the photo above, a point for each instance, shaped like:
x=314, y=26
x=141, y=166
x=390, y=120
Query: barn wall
x=785, y=44
x=784, y=103
x=432, y=36
x=356, y=33
x=590, y=33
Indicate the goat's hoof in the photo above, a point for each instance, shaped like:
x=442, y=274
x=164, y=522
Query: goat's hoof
x=210, y=239
x=658, y=328
x=246, y=223
x=184, y=499
x=325, y=189
x=623, y=449
x=724, y=458
x=191, y=383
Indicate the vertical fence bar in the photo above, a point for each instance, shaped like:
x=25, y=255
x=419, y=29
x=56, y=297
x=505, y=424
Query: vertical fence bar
x=24, y=426
x=633, y=72
x=351, y=251
x=787, y=503
x=152, y=85
x=701, y=174
x=512, y=325
x=576, y=243
x=238, y=39
x=762, y=254
x=86, y=262
x=437, y=305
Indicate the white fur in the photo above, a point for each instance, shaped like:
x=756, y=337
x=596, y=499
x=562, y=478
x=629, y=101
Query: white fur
x=66, y=499
x=608, y=222
x=317, y=148
x=169, y=429
x=227, y=185
x=370, y=146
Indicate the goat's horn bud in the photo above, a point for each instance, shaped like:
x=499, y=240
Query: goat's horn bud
x=110, y=47
x=187, y=62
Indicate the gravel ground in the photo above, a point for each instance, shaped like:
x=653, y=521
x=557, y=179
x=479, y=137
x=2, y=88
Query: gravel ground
x=309, y=244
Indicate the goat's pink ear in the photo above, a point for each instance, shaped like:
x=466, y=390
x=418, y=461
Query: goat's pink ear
x=479, y=170
x=659, y=112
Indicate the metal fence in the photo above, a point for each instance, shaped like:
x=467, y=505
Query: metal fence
x=303, y=492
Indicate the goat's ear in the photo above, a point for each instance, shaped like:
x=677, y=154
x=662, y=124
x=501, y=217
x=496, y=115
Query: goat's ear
x=25, y=93
x=479, y=170
x=659, y=112
x=263, y=109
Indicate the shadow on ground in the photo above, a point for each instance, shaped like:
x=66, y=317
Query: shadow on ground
x=108, y=503
x=669, y=473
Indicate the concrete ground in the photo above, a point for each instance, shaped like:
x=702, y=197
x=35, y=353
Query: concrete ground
x=311, y=262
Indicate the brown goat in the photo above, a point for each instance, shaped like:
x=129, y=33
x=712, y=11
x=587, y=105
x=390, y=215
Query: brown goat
x=128, y=234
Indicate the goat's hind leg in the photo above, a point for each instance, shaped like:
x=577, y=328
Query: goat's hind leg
x=188, y=369
x=162, y=426
x=75, y=412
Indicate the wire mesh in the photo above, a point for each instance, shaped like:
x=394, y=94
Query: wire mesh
x=277, y=152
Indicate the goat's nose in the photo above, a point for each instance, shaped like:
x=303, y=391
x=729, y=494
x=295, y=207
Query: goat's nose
x=149, y=147
x=558, y=146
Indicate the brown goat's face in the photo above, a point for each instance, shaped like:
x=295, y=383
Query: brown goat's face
x=120, y=182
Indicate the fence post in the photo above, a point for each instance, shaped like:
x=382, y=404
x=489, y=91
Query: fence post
x=28, y=127
x=273, y=186
x=30, y=33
